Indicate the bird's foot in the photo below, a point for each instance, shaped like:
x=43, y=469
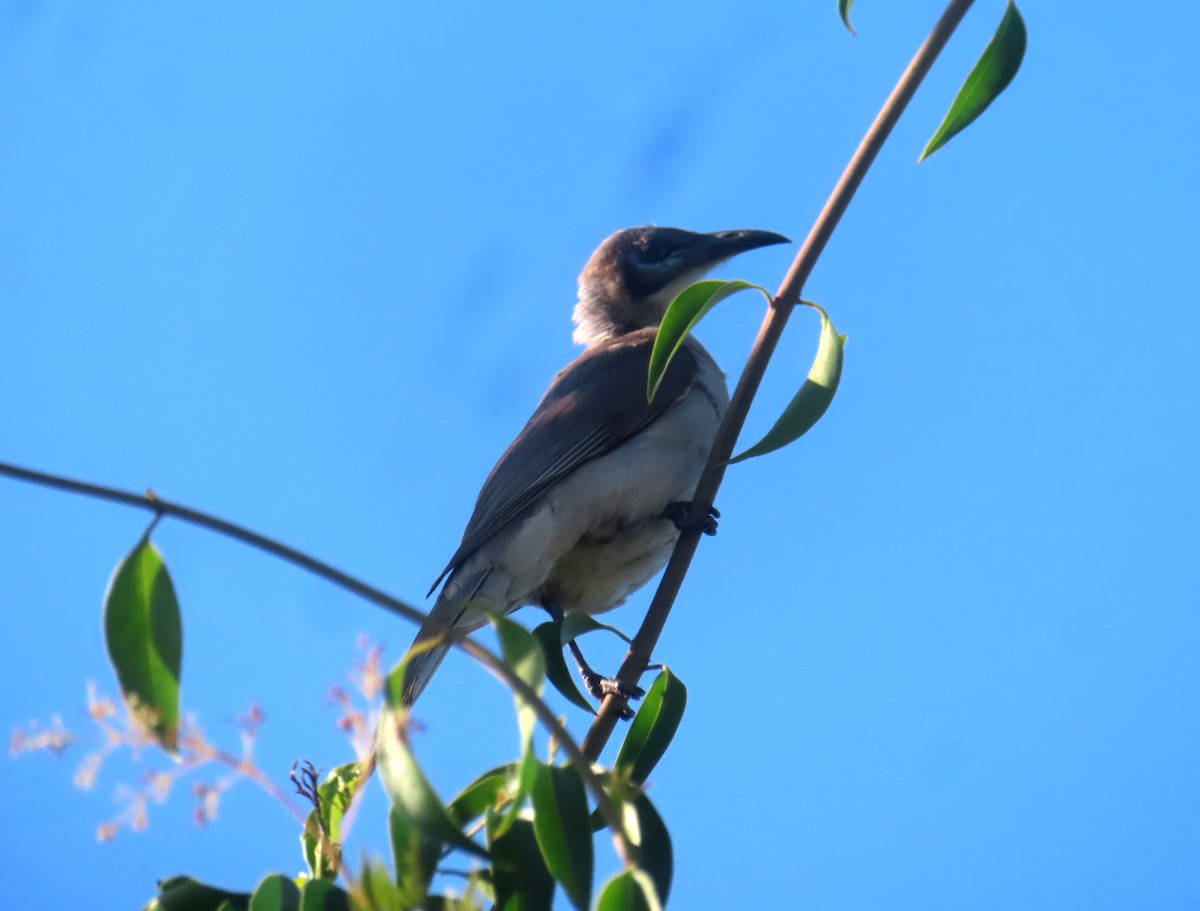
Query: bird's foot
x=600, y=687
x=680, y=513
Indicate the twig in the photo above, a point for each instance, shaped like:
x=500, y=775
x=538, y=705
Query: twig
x=764, y=346
x=488, y=659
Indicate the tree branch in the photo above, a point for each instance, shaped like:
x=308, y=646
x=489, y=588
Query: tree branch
x=786, y=298
x=488, y=659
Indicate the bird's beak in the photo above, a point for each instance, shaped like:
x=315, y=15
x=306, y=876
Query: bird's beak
x=711, y=249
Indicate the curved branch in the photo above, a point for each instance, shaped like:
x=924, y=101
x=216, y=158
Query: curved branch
x=787, y=297
x=488, y=659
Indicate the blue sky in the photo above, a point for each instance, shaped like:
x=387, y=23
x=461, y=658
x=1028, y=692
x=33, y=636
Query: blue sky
x=311, y=268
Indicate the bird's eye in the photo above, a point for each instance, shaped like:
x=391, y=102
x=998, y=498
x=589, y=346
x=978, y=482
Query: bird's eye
x=654, y=253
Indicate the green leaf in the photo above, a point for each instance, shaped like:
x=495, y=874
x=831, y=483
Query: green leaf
x=182, y=893
x=992, y=73
x=376, y=891
x=577, y=624
x=467, y=901
x=632, y=890
x=681, y=317
x=564, y=830
x=655, y=854
x=814, y=397
x=549, y=636
x=276, y=893
x=653, y=727
x=322, y=895
x=525, y=778
x=393, y=687
x=844, y=12
x=522, y=653
x=415, y=856
x=335, y=794
x=520, y=877
x=556, y=635
x=144, y=635
x=482, y=794
x=409, y=790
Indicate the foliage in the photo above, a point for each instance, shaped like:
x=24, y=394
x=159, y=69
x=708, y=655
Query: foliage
x=991, y=75
x=808, y=405
x=526, y=828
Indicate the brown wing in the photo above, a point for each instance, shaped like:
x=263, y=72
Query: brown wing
x=593, y=406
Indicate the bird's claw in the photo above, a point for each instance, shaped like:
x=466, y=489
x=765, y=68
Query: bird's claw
x=680, y=513
x=600, y=687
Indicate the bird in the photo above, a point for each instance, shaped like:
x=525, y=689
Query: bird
x=586, y=504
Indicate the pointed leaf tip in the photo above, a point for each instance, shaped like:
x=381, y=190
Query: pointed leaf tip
x=844, y=12
x=992, y=73
x=815, y=396
x=549, y=636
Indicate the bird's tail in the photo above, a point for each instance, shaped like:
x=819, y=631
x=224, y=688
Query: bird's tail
x=461, y=611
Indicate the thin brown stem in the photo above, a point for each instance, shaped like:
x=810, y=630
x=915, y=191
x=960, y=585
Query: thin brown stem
x=488, y=659
x=785, y=301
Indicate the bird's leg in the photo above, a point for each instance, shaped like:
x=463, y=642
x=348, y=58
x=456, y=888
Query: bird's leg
x=680, y=513
x=600, y=686
x=596, y=684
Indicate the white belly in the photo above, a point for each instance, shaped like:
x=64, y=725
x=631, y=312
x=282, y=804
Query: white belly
x=609, y=511
x=598, y=535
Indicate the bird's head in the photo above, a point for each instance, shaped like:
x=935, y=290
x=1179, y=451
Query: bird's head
x=634, y=275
